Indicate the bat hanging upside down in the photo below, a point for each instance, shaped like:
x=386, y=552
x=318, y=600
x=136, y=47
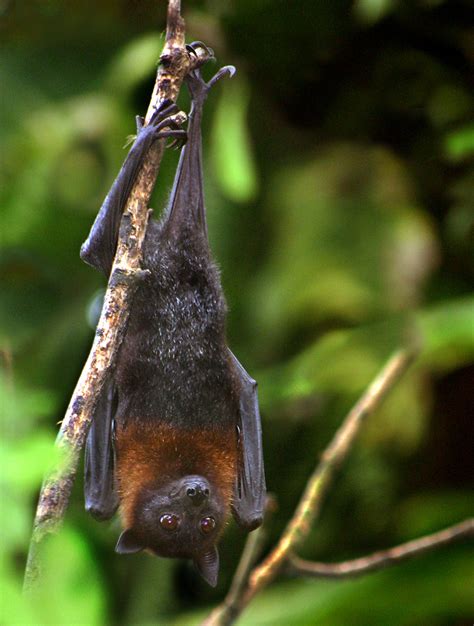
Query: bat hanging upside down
x=175, y=438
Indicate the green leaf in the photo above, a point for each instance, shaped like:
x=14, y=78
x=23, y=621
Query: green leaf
x=370, y=11
x=230, y=143
x=135, y=62
x=448, y=334
x=460, y=144
x=70, y=590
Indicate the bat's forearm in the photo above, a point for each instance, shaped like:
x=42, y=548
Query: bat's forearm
x=99, y=248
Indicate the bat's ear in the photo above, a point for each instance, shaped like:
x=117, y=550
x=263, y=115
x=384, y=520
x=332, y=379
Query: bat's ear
x=208, y=566
x=128, y=543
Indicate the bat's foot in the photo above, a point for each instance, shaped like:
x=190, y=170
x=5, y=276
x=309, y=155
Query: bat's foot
x=200, y=52
x=164, y=118
x=198, y=87
x=196, y=84
x=179, y=136
x=166, y=109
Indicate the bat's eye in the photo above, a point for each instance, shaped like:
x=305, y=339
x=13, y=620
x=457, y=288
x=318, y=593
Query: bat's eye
x=169, y=522
x=208, y=524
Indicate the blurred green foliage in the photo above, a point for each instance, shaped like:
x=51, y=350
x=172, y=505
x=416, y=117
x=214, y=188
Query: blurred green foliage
x=340, y=191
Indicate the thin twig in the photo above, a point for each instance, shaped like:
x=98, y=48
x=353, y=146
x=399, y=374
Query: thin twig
x=229, y=609
x=310, y=504
x=382, y=558
x=175, y=62
x=317, y=486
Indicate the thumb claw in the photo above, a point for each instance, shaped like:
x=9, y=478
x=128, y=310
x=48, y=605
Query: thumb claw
x=227, y=70
x=230, y=70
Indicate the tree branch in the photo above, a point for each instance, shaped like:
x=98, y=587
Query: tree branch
x=310, y=503
x=382, y=558
x=175, y=63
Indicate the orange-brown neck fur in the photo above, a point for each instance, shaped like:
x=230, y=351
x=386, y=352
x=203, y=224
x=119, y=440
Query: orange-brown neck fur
x=151, y=454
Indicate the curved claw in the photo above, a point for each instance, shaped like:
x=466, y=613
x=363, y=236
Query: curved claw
x=178, y=143
x=227, y=70
x=166, y=108
x=192, y=47
x=198, y=86
x=164, y=117
x=180, y=137
x=168, y=122
x=167, y=111
x=172, y=133
x=164, y=105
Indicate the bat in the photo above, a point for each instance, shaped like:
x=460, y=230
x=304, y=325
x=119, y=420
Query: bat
x=175, y=439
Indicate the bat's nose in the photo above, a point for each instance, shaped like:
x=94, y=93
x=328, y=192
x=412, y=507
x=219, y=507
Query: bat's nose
x=197, y=492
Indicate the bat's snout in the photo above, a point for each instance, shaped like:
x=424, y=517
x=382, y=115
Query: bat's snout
x=198, y=491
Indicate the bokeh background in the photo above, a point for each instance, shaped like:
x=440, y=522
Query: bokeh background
x=340, y=191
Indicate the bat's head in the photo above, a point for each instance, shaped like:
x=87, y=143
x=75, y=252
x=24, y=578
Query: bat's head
x=183, y=518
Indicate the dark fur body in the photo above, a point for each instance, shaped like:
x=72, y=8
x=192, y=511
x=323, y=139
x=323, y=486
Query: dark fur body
x=174, y=365
x=178, y=393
